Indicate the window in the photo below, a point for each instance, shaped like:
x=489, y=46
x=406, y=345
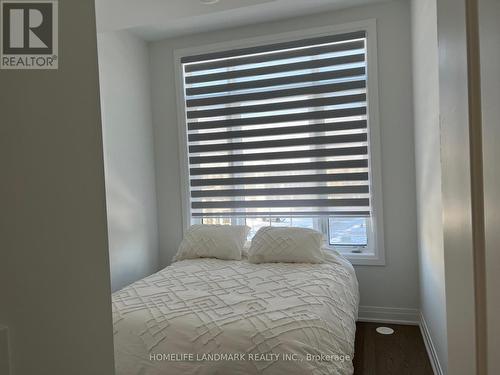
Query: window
x=279, y=134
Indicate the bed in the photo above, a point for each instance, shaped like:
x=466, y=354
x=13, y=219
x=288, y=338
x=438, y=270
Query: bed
x=209, y=316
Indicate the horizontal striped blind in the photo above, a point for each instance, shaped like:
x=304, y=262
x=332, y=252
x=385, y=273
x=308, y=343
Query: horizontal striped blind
x=279, y=129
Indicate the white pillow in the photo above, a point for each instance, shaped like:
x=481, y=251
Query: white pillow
x=286, y=244
x=213, y=241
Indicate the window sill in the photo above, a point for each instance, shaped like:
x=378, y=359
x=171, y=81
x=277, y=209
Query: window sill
x=367, y=258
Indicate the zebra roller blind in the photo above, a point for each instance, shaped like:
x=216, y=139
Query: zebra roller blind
x=279, y=129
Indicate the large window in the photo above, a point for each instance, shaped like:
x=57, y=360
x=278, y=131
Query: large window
x=279, y=134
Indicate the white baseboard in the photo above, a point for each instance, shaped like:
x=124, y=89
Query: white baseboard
x=395, y=315
x=431, y=350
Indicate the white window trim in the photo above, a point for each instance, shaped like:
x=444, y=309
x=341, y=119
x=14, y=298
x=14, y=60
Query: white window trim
x=377, y=255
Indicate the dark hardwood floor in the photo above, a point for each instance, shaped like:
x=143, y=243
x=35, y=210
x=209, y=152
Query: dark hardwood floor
x=402, y=353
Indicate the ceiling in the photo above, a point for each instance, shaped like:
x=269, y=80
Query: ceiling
x=158, y=19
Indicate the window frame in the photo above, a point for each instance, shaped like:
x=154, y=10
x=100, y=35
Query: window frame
x=375, y=252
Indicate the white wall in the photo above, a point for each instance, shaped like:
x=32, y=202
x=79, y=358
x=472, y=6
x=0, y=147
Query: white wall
x=54, y=266
x=428, y=172
x=128, y=157
x=394, y=285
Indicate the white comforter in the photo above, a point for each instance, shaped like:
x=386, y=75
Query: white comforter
x=212, y=316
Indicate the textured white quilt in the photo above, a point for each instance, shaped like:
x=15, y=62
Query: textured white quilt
x=210, y=316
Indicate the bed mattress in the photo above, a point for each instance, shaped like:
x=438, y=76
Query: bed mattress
x=209, y=316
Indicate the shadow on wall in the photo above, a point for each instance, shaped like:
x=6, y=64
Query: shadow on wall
x=126, y=233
